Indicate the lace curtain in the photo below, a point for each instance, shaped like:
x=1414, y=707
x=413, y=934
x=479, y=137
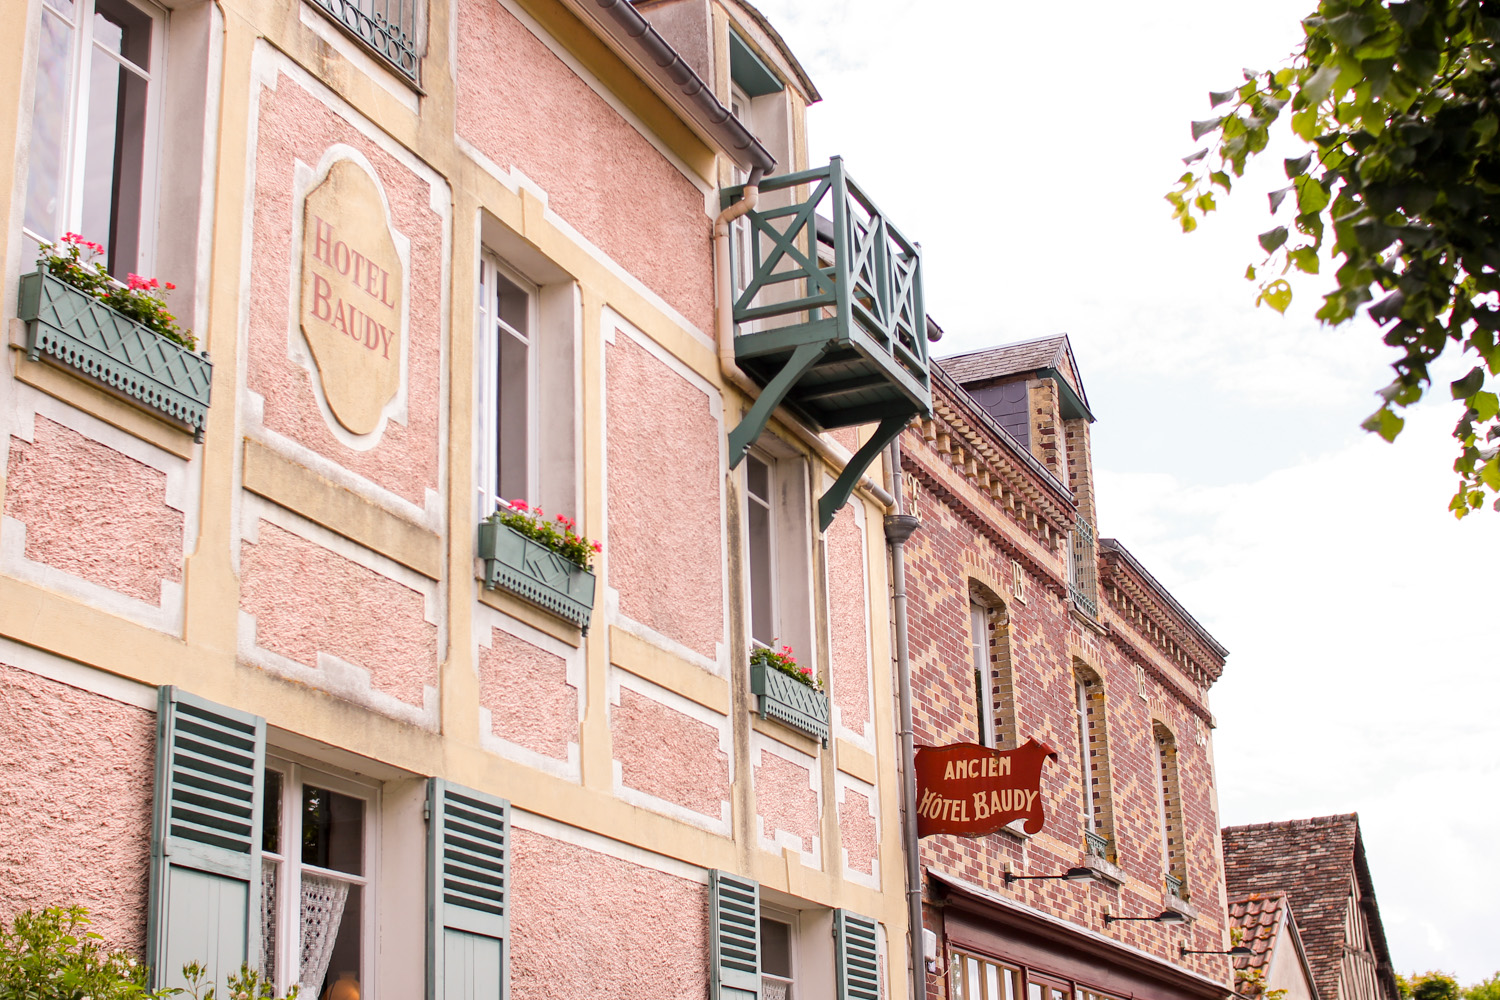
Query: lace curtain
x=322, y=909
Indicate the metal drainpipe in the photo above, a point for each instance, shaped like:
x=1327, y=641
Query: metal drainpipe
x=898, y=528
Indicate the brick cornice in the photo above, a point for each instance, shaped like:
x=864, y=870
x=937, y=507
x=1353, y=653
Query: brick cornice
x=1137, y=603
x=1143, y=659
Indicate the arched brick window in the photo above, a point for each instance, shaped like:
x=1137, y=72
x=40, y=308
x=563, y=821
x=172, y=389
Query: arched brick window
x=1169, y=805
x=1093, y=758
x=989, y=644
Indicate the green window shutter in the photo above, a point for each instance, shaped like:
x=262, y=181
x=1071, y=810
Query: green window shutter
x=734, y=927
x=468, y=894
x=205, y=839
x=856, y=956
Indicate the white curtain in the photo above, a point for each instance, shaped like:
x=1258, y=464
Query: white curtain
x=322, y=909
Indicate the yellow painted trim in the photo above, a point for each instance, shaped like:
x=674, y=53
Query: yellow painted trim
x=302, y=491
x=853, y=760
x=98, y=402
x=781, y=734
x=543, y=621
x=635, y=655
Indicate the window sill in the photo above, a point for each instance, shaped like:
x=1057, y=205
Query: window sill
x=77, y=333
x=1181, y=906
x=1087, y=620
x=1109, y=872
x=795, y=705
x=536, y=574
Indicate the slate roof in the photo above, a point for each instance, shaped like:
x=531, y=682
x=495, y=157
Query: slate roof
x=1311, y=861
x=1008, y=359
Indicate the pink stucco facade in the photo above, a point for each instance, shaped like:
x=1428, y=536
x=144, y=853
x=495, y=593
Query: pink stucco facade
x=296, y=127
x=80, y=500
x=665, y=499
x=309, y=600
x=526, y=691
x=784, y=800
x=847, y=615
x=515, y=98
x=669, y=755
x=584, y=924
x=857, y=831
x=75, y=805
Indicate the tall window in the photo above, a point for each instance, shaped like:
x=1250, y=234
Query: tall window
x=1169, y=806
x=507, y=362
x=984, y=698
x=91, y=160
x=1093, y=761
x=317, y=856
x=777, y=978
x=994, y=693
x=761, y=536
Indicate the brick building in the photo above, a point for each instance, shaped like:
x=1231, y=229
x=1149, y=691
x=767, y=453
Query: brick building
x=1023, y=627
x=1318, y=867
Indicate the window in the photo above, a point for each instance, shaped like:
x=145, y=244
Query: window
x=507, y=365
x=984, y=698
x=1093, y=762
x=776, y=959
x=390, y=27
x=91, y=159
x=1169, y=815
x=976, y=978
x=778, y=552
x=1083, y=569
x=994, y=694
x=317, y=898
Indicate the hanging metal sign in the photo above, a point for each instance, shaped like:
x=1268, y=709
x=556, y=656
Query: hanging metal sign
x=972, y=790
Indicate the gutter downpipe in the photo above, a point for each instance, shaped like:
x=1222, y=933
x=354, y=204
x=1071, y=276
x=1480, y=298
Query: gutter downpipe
x=724, y=334
x=898, y=528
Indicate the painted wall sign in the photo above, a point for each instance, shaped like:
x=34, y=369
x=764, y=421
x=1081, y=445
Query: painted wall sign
x=352, y=281
x=972, y=790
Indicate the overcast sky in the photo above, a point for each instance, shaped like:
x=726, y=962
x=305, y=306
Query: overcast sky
x=1027, y=147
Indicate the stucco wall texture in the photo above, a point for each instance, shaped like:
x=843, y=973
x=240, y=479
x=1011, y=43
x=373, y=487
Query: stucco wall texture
x=672, y=756
x=784, y=801
x=526, y=690
x=515, y=98
x=846, y=612
x=294, y=126
x=63, y=480
x=857, y=832
x=75, y=806
x=307, y=599
x=665, y=541
x=584, y=924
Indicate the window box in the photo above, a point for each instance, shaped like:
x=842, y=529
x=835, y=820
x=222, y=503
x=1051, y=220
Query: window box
x=1174, y=886
x=77, y=331
x=1096, y=845
x=790, y=702
x=532, y=571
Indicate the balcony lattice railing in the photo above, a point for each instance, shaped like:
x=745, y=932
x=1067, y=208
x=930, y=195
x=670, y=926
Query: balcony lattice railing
x=1095, y=844
x=387, y=26
x=1174, y=885
x=1083, y=569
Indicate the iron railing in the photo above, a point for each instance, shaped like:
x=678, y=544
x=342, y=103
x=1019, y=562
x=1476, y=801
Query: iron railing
x=1174, y=885
x=387, y=26
x=1083, y=569
x=1095, y=844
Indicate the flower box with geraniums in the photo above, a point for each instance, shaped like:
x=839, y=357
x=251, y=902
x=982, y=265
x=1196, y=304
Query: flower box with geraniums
x=120, y=336
x=789, y=692
x=544, y=561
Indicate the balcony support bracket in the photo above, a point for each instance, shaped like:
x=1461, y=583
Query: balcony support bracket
x=838, y=494
x=776, y=390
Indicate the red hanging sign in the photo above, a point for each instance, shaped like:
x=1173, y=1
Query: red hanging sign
x=972, y=790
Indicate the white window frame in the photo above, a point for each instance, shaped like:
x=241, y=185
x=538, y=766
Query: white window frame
x=773, y=521
x=1085, y=758
x=487, y=388
x=297, y=771
x=984, y=681
x=75, y=142
x=791, y=920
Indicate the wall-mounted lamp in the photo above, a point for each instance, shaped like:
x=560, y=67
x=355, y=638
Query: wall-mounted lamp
x=1164, y=917
x=1238, y=951
x=1071, y=875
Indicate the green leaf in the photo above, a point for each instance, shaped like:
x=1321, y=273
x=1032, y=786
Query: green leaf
x=1490, y=474
x=1486, y=405
x=1297, y=167
x=1276, y=294
x=1277, y=197
x=1320, y=84
x=1385, y=423
x=1205, y=202
x=1250, y=273
x=1468, y=385
x=1272, y=239
x=1218, y=97
x=1200, y=129
x=1196, y=156
x=1305, y=259
x=1220, y=178
x=1311, y=198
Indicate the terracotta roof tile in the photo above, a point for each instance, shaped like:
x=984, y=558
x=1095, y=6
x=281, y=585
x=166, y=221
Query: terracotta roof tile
x=1313, y=862
x=1259, y=918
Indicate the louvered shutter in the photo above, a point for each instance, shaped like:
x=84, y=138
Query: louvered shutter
x=468, y=894
x=734, y=924
x=856, y=956
x=205, y=839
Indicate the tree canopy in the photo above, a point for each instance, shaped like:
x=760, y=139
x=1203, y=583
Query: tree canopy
x=1399, y=106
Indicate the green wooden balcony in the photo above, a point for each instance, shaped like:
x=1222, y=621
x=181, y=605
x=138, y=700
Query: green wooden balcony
x=829, y=316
